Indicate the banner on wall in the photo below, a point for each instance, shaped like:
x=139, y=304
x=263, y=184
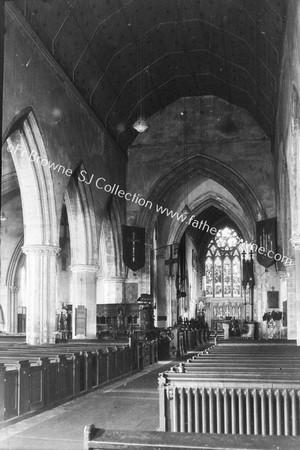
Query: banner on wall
x=266, y=240
x=133, y=247
x=171, y=260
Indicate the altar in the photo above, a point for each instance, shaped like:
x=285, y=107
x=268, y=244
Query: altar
x=233, y=328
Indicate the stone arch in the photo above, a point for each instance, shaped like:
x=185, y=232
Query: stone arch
x=25, y=143
x=115, y=215
x=12, y=283
x=202, y=165
x=110, y=248
x=84, y=255
x=178, y=228
x=167, y=184
x=111, y=273
x=82, y=221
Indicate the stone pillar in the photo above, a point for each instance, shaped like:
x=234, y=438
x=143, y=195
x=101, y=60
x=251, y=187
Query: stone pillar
x=296, y=244
x=291, y=301
x=40, y=293
x=12, y=318
x=162, y=306
x=83, y=293
x=283, y=297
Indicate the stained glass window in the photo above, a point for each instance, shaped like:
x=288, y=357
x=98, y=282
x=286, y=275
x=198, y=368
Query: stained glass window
x=223, y=265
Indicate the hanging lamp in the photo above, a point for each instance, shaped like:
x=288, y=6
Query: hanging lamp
x=140, y=125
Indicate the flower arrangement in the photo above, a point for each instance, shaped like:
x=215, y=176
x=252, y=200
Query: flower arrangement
x=274, y=315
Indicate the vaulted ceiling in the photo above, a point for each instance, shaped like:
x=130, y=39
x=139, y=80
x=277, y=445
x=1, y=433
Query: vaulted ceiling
x=128, y=57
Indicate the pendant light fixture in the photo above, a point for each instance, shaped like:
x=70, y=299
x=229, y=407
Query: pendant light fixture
x=140, y=125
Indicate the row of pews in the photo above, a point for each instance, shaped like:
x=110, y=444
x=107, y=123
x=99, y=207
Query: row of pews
x=185, y=338
x=244, y=389
x=35, y=378
x=229, y=396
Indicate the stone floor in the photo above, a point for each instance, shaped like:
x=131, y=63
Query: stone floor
x=130, y=404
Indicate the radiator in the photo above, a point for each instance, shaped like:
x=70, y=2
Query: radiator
x=230, y=410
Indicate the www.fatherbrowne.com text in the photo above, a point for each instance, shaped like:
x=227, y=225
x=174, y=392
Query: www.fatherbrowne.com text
x=114, y=189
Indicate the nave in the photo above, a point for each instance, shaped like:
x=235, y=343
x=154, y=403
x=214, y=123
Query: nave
x=150, y=187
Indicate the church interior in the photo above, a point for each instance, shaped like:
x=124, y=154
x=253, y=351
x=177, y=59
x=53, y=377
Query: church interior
x=150, y=207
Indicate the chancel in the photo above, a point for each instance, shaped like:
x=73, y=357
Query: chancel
x=150, y=222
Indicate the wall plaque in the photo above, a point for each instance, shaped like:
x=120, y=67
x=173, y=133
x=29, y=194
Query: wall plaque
x=80, y=320
x=162, y=318
x=273, y=299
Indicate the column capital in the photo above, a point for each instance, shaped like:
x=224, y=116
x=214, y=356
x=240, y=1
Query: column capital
x=117, y=279
x=282, y=274
x=289, y=265
x=295, y=241
x=27, y=249
x=13, y=288
x=91, y=268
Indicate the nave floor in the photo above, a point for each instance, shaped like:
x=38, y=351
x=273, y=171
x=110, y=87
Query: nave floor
x=129, y=404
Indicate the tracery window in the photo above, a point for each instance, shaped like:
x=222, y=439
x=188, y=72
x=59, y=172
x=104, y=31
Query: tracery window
x=223, y=265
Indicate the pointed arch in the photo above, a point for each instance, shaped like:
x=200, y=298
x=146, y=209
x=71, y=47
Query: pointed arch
x=25, y=143
x=12, y=282
x=41, y=232
x=194, y=166
x=110, y=248
x=220, y=202
x=82, y=221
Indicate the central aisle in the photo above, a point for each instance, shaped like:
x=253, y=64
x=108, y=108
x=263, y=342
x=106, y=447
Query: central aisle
x=129, y=404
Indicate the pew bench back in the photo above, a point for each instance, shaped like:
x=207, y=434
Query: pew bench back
x=95, y=438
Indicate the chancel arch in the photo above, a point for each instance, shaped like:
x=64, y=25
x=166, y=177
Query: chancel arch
x=196, y=165
x=222, y=203
x=231, y=196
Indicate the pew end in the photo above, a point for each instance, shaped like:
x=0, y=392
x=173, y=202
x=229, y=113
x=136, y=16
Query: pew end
x=91, y=433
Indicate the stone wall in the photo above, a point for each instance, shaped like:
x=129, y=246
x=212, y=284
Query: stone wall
x=286, y=150
x=69, y=135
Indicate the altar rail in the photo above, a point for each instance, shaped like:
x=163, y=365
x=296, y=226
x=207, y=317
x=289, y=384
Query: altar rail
x=36, y=378
x=228, y=393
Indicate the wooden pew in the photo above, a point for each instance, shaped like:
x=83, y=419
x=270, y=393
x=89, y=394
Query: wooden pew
x=248, y=391
x=39, y=377
x=95, y=438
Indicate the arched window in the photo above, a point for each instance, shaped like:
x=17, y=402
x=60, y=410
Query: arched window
x=223, y=265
